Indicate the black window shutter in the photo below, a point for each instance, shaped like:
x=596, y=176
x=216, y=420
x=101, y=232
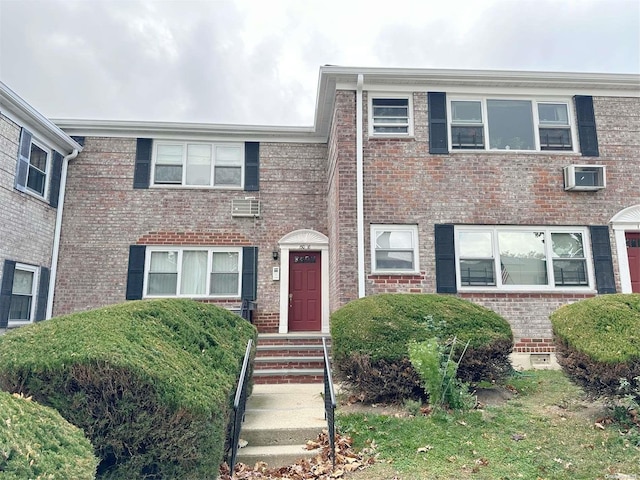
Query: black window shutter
x=249, y=273
x=56, y=175
x=23, y=160
x=43, y=294
x=135, y=272
x=438, y=142
x=586, y=126
x=252, y=166
x=602, y=261
x=445, y=259
x=6, y=287
x=142, y=172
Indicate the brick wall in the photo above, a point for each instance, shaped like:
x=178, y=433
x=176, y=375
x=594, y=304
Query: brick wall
x=104, y=215
x=27, y=223
x=404, y=184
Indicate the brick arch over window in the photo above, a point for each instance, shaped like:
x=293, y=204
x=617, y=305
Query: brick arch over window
x=627, y=220
x=225, y=238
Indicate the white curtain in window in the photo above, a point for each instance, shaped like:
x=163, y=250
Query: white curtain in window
x=224, y=273
x=163, y=273
x=22, y=282
x=194, y=273
x=198, y=164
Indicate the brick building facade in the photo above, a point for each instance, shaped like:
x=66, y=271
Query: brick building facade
x=515, y=190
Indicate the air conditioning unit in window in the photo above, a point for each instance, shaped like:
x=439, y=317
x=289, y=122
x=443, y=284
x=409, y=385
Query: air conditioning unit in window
x=245, y=207
x=585, y=177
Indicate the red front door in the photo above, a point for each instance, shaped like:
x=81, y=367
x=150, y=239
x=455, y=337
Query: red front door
x=304, y=292
x=633, y=253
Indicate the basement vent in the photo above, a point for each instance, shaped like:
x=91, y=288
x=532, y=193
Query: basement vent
x=246, y=207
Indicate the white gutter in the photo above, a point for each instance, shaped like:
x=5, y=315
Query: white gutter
x=56, y=239
x=360, y=187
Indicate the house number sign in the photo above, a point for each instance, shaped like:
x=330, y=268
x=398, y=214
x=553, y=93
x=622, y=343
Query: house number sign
x=304, y=259
x=305, y=247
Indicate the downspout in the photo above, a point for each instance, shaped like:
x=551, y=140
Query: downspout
x=56, y=239
x=360, y=187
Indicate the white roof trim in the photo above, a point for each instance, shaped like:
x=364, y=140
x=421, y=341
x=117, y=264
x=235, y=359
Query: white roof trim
x=19, y=110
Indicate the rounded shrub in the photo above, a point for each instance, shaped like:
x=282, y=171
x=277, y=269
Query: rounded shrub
x=370, y=338
x=150, y=382
x=598, y=341
x=36, y=442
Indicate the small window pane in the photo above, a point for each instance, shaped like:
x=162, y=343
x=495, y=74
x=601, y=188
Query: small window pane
x=395, y=239
x=169, y=155
x=168, y=174
x=22, y=282
x=475, y=245
x=553, y=114
x=194, y=273
x=36, y=180
x=477, y=272
x=522, y=258
x=467, y=137
x=466, y=112
x=390, y=260
x=198, y=164
x=390, y=115
x=567, y=245
x=20, y=308
x=38, y=158
x=225, y=273
x=510, y=124
x=555, y=139
x=163, y=273
x=228, y=176
x=228, y=155
x=570, y=272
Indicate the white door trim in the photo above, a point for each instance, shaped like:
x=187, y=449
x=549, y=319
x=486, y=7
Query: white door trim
x=296, y=241
x=627, y=220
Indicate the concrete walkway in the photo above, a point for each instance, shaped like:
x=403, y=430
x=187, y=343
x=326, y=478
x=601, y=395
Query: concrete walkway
x=279, y=421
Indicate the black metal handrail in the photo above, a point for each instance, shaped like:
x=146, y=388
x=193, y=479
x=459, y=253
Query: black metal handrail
x=329, y=402
x=239, y=404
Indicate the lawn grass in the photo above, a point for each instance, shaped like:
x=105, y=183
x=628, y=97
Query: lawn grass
x=545, y=432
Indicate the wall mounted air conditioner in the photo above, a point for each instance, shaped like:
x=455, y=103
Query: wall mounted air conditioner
x=585, y=177
x=245, y=207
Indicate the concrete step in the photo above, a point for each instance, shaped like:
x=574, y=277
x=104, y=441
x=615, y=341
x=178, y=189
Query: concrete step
x=288, y=362
x=279, y=420
x=275, y=455
x=288, y=375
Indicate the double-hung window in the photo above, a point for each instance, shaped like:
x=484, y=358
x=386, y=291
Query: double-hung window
x=510, y=124
x=522, y=258
x=390, y=116
x=23, y=294
x=193, y=272
x=199, y=164
x=33, y=165
x=394, y=249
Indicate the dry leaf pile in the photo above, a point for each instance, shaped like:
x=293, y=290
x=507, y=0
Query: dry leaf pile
x=319, y=467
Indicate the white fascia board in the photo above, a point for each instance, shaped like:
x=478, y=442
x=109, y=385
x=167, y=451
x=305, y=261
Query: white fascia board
x=19, y=111
x=188, y=131
x=605, y=84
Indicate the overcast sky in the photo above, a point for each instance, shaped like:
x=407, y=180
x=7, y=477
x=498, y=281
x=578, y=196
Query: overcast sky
x=257, y=61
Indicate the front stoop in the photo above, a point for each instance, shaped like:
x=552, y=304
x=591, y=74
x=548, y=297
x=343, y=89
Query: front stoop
x=289, y=358
x=279, y=420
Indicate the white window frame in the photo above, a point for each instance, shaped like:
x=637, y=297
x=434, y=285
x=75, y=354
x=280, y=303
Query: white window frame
x=550, y=286
x=34, y=293
x=47, y=175
x=535, y=101
x=379, y=228
x=185, y=147
x=393, y=96
x=180, y=250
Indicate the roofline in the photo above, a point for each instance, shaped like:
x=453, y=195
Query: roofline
x=187, y=130
x=20, y=109
x=333, y=77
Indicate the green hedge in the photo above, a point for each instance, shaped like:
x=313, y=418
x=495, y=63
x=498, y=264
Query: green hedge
x=150, y=382
x=373, y=333
x=36, y=442
x=598, y=341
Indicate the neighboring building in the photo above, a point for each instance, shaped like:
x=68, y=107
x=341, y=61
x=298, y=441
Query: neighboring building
x=516, y=190
x=33, y=154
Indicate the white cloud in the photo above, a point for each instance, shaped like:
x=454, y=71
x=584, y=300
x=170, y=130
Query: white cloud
x=252, y=61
